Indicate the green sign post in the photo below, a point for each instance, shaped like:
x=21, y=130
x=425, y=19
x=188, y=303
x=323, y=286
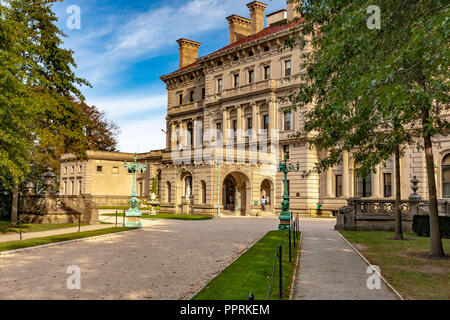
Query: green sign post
x=133, y=215
x=285, y=216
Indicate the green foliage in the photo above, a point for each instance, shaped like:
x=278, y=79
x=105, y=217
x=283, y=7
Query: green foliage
x=367, y=90
x=421, y=225
x=41, y=105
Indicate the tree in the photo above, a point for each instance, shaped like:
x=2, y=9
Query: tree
x=376, y=91
x=100, y=131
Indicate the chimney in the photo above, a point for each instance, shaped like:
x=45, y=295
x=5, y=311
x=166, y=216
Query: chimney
x=239, y=27
x=188, y=51
x=257, y=15
x=292, y=13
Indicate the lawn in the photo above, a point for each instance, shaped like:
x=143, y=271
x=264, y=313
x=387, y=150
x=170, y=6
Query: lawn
x=401, y=263
x=124, y=208
x=252, y=272
x=12, y=245
x=168, y=216
x=32, y=227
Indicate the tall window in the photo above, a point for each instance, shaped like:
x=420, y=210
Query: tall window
x=251, y=76
x=219, y=126
x=191, y=96
x=446, y=177
x=266, y=122
x=234, y=126
x=169, y=192
x=338, y=185
x=266, y=72
x=180, y=98
x=286, y=151
x=288, y=187
x=387, y=185
x=287, y=68
x=190, y=131
x=203, y=93
x=287, y=121
x=236, y=80
x=219, y=85
x=203, y=192
x=363, y=186
x=249, y=123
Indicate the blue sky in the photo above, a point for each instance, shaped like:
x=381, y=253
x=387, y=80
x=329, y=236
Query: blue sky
x=123, y=47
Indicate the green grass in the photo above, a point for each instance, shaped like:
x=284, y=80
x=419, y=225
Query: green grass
x=12, y=245
x=125, y=208
x=252, y=272
x=414, y=277
x=168, y=216
x=33, y=227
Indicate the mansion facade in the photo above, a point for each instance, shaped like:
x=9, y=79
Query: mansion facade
x=227, y=131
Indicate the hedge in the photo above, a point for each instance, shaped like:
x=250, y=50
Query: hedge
x=421, y=225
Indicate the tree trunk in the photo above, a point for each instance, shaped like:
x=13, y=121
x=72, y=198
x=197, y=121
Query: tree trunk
x=436, y=249
x=14, y=205
x=398, y=196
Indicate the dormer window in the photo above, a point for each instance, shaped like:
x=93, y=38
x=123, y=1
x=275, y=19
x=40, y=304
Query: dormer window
x=266, y=48
x=219, y=63
x=236, y=58
x=250, y=53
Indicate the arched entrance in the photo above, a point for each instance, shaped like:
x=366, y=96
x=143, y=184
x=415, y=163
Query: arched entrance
x=267, y=191
x=236, y=193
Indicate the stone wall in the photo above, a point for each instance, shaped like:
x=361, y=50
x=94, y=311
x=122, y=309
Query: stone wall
x=51, y=208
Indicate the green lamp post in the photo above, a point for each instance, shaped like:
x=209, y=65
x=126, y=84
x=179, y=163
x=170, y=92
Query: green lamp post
x=285, y=216
x=133, y=215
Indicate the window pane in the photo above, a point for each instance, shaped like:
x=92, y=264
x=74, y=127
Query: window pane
x=338, y=186
x=387, y=185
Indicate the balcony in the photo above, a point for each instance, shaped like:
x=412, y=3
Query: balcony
x=242, y=90
x=187, y=107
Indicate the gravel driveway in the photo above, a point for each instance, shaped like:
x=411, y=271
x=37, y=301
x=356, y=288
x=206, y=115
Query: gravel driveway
x=168, y=259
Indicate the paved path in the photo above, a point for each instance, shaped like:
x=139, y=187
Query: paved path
x=40, y=234
x=330, y=268
x=168, y=259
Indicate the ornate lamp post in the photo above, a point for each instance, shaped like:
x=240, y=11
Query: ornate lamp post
x=134, y=213
x=285, y=216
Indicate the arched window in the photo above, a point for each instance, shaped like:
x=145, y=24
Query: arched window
x=203, y=192
x=446, y=176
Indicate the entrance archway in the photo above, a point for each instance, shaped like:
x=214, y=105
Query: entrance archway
x=267, y=190
x=236, y=193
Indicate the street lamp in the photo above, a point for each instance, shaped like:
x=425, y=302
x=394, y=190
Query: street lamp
x=133, y=210
x=285, y=216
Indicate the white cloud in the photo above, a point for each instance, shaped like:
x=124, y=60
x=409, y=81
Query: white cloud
x=143, y=135
x=116, y=107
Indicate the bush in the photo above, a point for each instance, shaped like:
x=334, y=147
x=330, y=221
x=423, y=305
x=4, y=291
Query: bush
x=421, y=225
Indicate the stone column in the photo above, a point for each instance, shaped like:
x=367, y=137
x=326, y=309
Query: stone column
x=330, y=183
x=345, y=176
x=272, y=115
x=376, y=184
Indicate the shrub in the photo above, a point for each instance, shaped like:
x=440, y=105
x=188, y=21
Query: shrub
x=421, y=225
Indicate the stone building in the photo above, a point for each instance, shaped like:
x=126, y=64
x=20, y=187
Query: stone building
x=227, y=132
